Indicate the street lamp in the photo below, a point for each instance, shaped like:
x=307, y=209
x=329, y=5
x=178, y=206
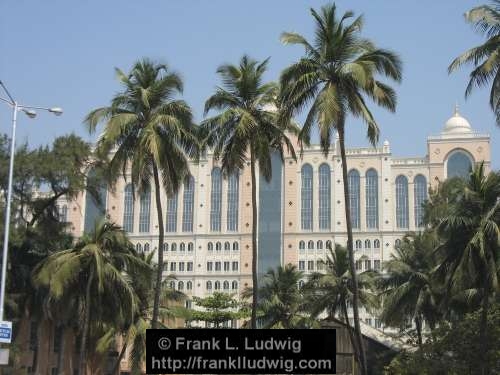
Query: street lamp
x=31, y=113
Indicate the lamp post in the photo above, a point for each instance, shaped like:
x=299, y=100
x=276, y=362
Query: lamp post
x=31, y=113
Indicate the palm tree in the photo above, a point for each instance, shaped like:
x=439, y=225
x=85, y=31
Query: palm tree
x=339, y=70
x=485, y=57
x=470, y=255
x=332, y=290
x=91, y=272
x=150, y=132
x=247, y=127
x=281, y=299
x=407, y=287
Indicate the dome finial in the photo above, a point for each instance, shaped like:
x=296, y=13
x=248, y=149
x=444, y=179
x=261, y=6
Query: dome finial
x=456, y=110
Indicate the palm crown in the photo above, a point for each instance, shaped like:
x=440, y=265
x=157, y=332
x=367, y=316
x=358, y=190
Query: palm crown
x=338, y=70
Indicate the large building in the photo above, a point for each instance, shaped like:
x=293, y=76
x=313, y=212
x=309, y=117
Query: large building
x=300, y=211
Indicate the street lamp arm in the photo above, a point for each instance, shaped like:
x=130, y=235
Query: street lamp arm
x=12, y=101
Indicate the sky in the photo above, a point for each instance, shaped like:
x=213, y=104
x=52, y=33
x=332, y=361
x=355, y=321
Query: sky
x=63, y=53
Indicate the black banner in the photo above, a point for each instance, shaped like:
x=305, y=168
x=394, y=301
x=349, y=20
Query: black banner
x=240, y=351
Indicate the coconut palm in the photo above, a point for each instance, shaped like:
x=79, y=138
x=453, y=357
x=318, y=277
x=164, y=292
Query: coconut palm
x=408, y=290
x=151, y=134
x=92, y=273
x=331, y=291
x=470, y=255
x=247, y=128
x=486, y=57
x=337, y=73
x=281, y=299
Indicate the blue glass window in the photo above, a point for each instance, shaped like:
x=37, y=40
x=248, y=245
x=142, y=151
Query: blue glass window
x=324, y=197
x=188, y=205
x=458, y=165
x=402, y=202
x=232, y=202
x=172, y=213
x=420, y=193
x=216, y=200
x=144, y=211
x=307, y=197
x=128, y=209
x=371, y=199
x=354, y=199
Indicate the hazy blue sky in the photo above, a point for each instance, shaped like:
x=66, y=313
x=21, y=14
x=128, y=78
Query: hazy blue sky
x=60, y=52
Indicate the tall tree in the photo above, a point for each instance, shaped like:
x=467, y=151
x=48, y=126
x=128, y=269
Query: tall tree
x=281, y=299
x=407, y=287
x=470, y=255
x=93, y=273
x=150, y=134
x=247, y=128
x=338, y=71
x=331, y=291
x=486, y=57
x=218, y=308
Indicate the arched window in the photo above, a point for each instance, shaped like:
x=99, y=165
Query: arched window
x=217, y=285
x=210, y=246
x=144, y=210
x=165, y=247
x=138, y=247
x=324, y=197
x=188, y=204
x=319, y=245
x=302, y=245
x=172, y=285
x=235, y=246
x=189, y=285
x=190, y=246
x=306, y=197
x=368, y=244
x=310, y=245
x=180, y=285
x=128, y=209
x=397, y=243
x=329, y=245
x=353, y=182
x=225, y=285
x=172, y=213
x=182, y=247
x=227, y=246
x=371, y=199
x=402, y=202
x=301, y=284
x=458, y=165
x=420, y=193
x=234, y=285
x=232, y=202
x=218, y=246
x=63, y=216
x=209, y=285
x=146, y=247
x=376, y=244
x=94, y=209
x=173, y=247
x=216, y=200
x=359, y=245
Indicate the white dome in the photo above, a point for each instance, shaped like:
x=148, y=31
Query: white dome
x=457, y=124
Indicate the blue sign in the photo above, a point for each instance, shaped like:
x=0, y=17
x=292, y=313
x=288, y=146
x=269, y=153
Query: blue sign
x=6, y=332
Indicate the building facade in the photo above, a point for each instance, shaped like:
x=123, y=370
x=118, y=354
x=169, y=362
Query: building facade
x=300, y=210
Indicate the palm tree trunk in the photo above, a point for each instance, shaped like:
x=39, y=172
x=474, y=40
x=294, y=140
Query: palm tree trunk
x=254, y=243
x=159, y=274
x=418, y=326
x=355, y=291
x=62, y=353
x=116, y=366
x=86, y=324
x=350, y=330
x=482, y=335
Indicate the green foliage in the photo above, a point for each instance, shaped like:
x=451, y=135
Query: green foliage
x=485, y=57
x=454, y=349
x=217, y=309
